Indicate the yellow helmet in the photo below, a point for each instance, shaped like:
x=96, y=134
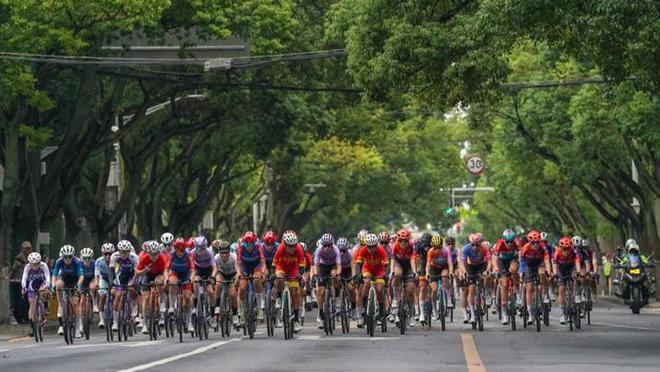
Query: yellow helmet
x=436, y=241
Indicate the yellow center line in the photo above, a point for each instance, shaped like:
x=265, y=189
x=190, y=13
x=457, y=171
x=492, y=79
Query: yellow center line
x=474, y=363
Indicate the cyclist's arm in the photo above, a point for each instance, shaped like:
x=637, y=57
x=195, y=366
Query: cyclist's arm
x=26, y=270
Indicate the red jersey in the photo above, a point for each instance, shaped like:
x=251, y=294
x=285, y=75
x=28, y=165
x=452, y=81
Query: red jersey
x=157, y=267
x=373, y=263
x=566, y=257
x=529, y=252
x=506, y=251
x=400, y=253
x=289, y=263
x=308, y=261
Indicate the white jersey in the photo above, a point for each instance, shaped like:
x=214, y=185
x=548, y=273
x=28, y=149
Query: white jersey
x=228, y=267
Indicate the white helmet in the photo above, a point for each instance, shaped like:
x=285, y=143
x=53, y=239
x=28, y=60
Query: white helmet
x=86, y=252
x=585, y=242
x=34, y=258
x=371, y=240
x=124, y=246
x=167, y=238
x=630, y=242
x=108, y=248
x=67, y=250
x=633, y=246
x=327, y=239
x=577, y=241
x=544, y=236
x=152, y=247
x=290, y=238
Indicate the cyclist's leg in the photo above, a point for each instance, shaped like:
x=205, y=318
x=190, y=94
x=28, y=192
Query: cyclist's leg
x=396, y=284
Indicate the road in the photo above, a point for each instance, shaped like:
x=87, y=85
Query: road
x=617, y=340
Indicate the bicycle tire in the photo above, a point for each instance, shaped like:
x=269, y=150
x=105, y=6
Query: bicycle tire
x=371, y=312
x=442, y=303
x=403, y=321
x=480, y=309
x=286, y=316
x=538, y=305
x=179, y=323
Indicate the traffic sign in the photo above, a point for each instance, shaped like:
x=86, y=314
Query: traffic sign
x=474, y=164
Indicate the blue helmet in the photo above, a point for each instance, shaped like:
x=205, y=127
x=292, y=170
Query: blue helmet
x=508, y=235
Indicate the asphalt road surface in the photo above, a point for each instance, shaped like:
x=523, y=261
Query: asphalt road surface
x=616, y=341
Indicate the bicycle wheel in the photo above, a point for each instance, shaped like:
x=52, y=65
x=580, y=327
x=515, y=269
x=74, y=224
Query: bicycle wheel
x=538, y=304
x=481, y=310
x=371, y=313
x=512, y=313
x=441, y=308
x=403, y=321
x=179, y=323
x=252, y=316
x=286, y=316
x=589, y=304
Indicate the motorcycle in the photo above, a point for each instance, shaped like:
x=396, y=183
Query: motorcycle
x=636, y=286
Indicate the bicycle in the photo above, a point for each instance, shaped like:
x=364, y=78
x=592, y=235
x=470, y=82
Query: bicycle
x=406, y=308
x=571, y=310
x=250, y=307
x=270, y=310
x=480, y=304
x=125, y=321
x=287, y=313
x=86, y=311
x=329, y=307
x=178, y=317
x=440, y=303
x=203, y=310
x=374, y=311
x=152, y=312
x=511, y=302
x=108, y=317
x=38, y=317
x=344, y=305
x=223, y=320
x=587, y=297
x=68, y=315
x=540, y=309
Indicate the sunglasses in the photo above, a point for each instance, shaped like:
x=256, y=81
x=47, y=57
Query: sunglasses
x=67, y=257
x=107, y=254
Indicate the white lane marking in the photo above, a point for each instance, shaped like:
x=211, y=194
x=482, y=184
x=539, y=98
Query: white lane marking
x=177, y=357
x=140, y=343
x=20, y=338
x=126, y=344
x=3, y=350
x=339, y=338
x=25, y=346
x=83, y=346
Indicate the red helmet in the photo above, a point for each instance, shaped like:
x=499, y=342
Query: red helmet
x=250, y=237
x=566, y=242
x=403, y=234
x=533, y=236
x=270, y=237
x=179, y=243
x=384, y=236
x=190, y=243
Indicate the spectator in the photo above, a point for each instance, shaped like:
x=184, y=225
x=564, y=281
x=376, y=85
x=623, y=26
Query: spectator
x=607, y=271
x=18, y=304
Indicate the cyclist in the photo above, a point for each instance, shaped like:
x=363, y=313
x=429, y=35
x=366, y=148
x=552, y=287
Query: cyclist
x=404, y=267
x=371, y=263
x=204, y=268
x=489, y=282
x=35, y=281
x=385, y=242
x=250, y=262
x=327, y=265
x=151, y=268
x=537, y=262
x=67, y=274
x=346, y=267
x=102, y=279
x=269, y=246
x=122, y=273
x=551, y=252
x=179, y=270
x=566, y=263
x=166, y=241
x=590, y=270
x=450, y=243
x=289, y=265
x=422, y=246
x=226, y=272
x=439, y=263
x=505, y=263
x=88, y=267
x=475, y=260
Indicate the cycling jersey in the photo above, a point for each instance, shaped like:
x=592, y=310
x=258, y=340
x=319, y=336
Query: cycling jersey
x=322, y=256
x=203, y=259
x=551, y=250
x=249, y=257
x=101, y=269
x=180, y=265
x=475, y=256
x=373, y=263
x=400, y=253
x=566, y=257
x=289, y=264
x=122, y=269
x=586, y=254
x=228, y=267
x=35, y=279
x=532, y=252
x=269, y=252
x=346, y=259
x=88, y=273
x=440, y=258
x=68, y=273
x=157, y=267
x=506, y=251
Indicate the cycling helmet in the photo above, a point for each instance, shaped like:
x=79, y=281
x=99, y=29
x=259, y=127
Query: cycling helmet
x=508, y=235
x=190, y=243
x=476, y=238
x=403, y=234
x=384, y=237
x=86, y=253
x=425, y=239
x=215, y=244
x=108, y=248
x=34, y=258
x=145, y=245
x=450, y=240
x=534, y=236
x=566, y=242
x=152, y=247
x=342, y=244
x=167, y=238
x=290, y=238
x=270, y=237
x=223, y=244
x=250, y=237
x=361, y=236
x=124, y=246
x=179, y=243
x=633, y=248
x=630, y=242
x=327, y=239
x=371, y=240
x=577, y=241
x=544, y=236
x=586, y=243
x=201, y=242
x=436, y=241
x=67, y=250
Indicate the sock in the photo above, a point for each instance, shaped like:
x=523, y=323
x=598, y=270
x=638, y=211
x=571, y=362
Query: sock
x=59, y=320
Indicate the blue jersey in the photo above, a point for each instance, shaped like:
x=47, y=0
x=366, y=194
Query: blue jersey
x=269, y=255
x=71, y=271
x=181, y=265
x=101, y=269
x=88, y=271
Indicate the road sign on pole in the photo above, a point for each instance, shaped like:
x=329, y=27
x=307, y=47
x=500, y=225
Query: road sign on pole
x=474, y=164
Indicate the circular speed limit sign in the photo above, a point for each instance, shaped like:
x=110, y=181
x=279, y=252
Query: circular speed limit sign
x=474, y=164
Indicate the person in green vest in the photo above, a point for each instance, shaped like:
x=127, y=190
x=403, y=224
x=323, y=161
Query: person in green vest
x=607, y=271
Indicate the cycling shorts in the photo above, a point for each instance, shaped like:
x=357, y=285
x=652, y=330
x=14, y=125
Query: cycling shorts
x=324, y=274
x=473, y=271
x=181, y=278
